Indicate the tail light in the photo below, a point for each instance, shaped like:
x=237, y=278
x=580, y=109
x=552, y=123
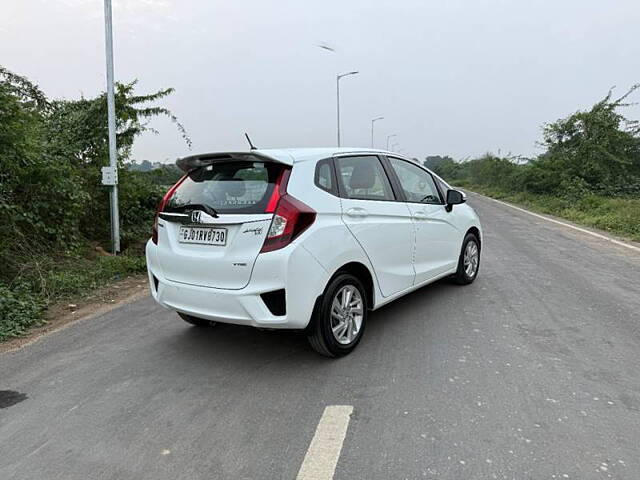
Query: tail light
x=291, y=217
x=161, y=205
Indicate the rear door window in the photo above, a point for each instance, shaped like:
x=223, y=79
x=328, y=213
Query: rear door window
x=228, y=187
x=363, y=178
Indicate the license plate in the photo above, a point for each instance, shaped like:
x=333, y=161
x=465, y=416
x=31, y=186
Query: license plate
x=203, y=235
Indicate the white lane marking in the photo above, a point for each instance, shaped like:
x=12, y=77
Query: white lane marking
x=322, y=456
x=568, y=225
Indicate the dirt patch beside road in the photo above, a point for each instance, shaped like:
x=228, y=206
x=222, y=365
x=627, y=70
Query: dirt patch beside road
x=102, y=300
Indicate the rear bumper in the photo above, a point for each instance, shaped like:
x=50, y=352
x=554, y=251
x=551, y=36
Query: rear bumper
x=293, y=269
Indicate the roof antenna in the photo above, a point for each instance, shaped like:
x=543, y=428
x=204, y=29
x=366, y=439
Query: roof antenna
x=249, y=140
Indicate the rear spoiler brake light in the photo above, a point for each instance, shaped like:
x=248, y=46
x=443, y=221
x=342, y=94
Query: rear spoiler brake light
x=187, y=164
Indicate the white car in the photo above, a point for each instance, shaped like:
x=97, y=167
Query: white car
x=308, y=239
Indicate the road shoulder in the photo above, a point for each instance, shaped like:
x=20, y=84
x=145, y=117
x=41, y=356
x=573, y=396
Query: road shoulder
x=66, y=313
x=600, y=234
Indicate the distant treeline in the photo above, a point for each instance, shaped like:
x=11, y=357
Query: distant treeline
x=164, y=174
x=589, y=152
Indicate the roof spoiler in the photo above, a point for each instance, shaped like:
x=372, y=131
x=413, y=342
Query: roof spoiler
x=189, y=163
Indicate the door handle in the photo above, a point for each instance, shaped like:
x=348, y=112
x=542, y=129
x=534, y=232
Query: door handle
x=420, y=216
x=357, y=212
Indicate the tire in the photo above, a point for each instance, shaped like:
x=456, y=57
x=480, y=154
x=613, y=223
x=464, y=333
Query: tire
x=467, y=269
x=198, y=322
x=320, y=333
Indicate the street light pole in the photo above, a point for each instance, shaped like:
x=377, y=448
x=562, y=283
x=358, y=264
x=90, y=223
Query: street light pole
x=111, y=118
x=374, y=120
x=389, y=137
x=338, y=77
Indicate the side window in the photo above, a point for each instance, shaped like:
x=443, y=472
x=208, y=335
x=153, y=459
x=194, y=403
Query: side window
x=363, y=178
x=418, y=186
x=324, y=176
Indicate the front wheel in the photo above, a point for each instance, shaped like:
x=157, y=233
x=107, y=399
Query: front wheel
x=469, y=261
x=198, y=322
x=340, y=319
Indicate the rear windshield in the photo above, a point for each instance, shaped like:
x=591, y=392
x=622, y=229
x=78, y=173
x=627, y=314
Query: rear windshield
x=228, y=187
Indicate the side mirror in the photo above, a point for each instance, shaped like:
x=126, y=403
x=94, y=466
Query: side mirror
x=454, y=197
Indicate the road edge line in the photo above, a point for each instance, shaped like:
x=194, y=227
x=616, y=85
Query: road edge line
x=564, y=224
x=324, y=450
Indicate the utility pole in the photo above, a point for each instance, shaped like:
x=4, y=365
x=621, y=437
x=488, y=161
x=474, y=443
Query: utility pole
x=374, y=120
x=110, y=173
x=338, y=77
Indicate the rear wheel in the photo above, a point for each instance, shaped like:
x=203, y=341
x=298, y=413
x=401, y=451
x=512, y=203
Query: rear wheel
x=469, y=261
x=198, y=322
x=340, y=318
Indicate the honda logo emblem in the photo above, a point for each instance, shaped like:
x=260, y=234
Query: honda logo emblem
x=196, y=216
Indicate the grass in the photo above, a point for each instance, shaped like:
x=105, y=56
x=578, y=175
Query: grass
x=619, y=216
x=48, y=280
x=80, y=276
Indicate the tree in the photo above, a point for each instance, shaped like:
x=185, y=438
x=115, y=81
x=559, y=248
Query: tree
x=77, y=129
x=433, y=161
x=599, y=149
x=52, y=205
x=51, y=152
x=143, y=166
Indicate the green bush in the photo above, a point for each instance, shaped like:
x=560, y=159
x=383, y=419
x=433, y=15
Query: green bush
x=54, y=210
x=139, y=197
x=79, y=275
x=589, y=173
x=19, y=310
x=21, y=307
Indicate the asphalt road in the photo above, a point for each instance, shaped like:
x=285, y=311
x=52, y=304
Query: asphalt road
x=532, y=372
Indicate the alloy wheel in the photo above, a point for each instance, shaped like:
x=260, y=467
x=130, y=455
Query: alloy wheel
x=347, y=310
x=471, y=259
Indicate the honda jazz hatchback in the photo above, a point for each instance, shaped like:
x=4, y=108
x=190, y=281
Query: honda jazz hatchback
x=307, y=239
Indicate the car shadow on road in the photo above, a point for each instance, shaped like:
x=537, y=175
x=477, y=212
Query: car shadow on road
x=442, y=289
x=250, y=347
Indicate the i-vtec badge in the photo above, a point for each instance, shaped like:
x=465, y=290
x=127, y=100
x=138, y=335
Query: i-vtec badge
x=196, y=216
x=256, y=231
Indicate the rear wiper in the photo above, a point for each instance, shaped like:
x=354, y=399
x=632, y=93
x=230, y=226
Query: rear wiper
x=199, y=206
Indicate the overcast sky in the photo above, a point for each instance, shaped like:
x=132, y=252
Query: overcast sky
x=450, y=77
